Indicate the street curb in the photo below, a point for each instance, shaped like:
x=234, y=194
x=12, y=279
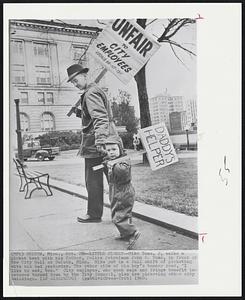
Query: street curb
x=142, y=211
x=183, y=231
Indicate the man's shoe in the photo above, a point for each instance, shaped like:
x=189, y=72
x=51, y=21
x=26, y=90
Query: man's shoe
x=88, y=219
x=133, y=240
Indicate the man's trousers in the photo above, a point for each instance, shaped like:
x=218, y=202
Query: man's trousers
x=95, y=187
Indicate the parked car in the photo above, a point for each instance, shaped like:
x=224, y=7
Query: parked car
x=32, y=149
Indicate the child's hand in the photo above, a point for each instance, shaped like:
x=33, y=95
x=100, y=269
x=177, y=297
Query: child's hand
x=110, y=164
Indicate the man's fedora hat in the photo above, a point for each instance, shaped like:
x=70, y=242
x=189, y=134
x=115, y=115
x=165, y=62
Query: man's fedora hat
x=74, y=70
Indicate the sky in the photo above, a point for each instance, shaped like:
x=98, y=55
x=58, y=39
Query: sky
x=163, y=71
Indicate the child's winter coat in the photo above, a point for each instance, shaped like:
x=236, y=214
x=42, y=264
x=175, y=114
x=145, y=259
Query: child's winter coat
x=122, y=196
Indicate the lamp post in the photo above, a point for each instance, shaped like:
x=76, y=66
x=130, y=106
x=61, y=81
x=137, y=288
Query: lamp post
x=18, y=131
x=187, y=136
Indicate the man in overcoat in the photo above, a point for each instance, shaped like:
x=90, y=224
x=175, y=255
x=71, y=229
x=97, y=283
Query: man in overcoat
x=97, y=122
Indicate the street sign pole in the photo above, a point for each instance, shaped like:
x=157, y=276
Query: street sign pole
x=187, y=138
x=18, y=131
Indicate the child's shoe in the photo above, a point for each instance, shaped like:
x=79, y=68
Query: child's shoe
x=133, y=240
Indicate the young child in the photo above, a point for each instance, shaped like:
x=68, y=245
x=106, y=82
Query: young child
x=121, y=191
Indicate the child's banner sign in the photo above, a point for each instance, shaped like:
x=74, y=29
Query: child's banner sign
x=123, y=48
x=159, y=148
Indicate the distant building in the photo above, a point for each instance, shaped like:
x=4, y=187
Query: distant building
x=177, y=121
x=162, y=105
x=191, y=112
x=40, y=52
x=175, y=103
x=159, y=109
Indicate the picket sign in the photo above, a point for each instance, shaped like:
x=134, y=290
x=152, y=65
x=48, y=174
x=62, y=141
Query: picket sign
x=158, y=145
x=123, y=47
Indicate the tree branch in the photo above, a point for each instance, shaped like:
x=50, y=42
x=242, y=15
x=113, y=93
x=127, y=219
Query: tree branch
x=164, y=26
x=168, y=28
x=193, y=44
x=175, y=54
x=178, y=28
x=150, y=22
x=178, y=45
x=172, y=26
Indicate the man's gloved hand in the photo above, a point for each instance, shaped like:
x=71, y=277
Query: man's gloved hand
x=75, y=109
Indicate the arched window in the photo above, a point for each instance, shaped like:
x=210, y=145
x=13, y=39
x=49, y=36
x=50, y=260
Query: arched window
x=24, y=122
x=47, y=122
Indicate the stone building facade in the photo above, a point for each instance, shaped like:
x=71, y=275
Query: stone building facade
x=40, y=52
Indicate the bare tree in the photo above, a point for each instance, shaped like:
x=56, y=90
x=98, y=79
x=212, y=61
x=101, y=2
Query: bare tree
x=169, y=32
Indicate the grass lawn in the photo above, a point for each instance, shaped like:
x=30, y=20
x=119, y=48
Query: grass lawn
x=173, y=187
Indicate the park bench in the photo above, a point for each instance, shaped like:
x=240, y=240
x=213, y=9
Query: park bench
x=32, y=178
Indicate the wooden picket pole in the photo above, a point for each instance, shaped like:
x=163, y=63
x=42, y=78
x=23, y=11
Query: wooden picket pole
x=120, y=159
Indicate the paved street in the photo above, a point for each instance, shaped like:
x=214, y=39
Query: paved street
x=65, y=167
x=49, y=223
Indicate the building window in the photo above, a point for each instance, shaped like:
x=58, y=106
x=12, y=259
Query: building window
x=78, y=53
x=24, y=98
x=18, y=48
x=18, y=74
x=42, y=63
x=45, y=98
x=41, y=50
x=40, y=98
x=47, y=122
x=24, y=122
x=18, y=62
x=50, y=98
x=43, y=75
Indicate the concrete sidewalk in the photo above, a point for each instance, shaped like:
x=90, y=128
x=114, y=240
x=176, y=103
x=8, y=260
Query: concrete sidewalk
x=49, y=223
x=181, y=223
